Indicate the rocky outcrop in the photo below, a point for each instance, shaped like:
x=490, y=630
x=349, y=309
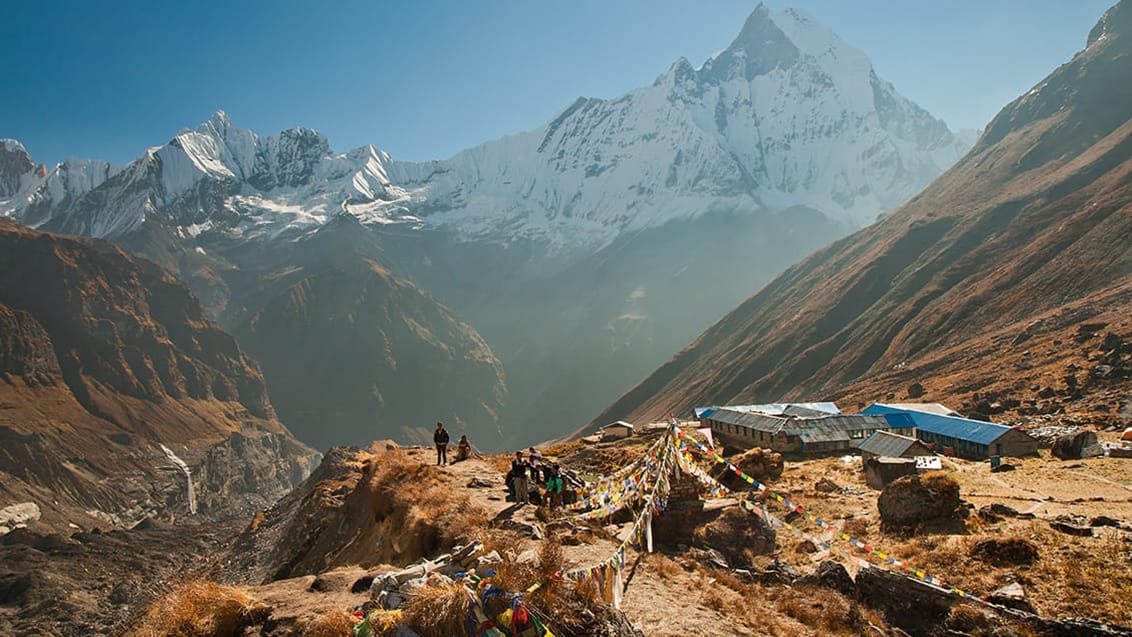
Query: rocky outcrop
x=738, y=535
x=1080, y=444
x=25, y=348
x=351, y=352
x=914, y=501
x=103, y=359
x=760, y=464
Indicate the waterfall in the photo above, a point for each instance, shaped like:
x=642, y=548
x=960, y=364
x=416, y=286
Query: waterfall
x=188, y=476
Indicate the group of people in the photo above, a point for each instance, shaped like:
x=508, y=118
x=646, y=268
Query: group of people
x=440, y=438
x=525, y=472
x=532, y=471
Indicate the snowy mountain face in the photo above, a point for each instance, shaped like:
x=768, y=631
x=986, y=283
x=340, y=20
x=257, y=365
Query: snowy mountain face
x=787, y=115
x=217, y=175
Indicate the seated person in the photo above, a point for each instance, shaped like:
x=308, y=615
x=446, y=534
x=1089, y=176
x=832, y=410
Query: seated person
x=463, y=449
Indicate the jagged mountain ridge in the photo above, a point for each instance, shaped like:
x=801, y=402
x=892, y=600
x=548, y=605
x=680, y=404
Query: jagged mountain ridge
x=787, y=115
x=380, y=353
x=1030, y=233
x=782, y=142
x=104, y=358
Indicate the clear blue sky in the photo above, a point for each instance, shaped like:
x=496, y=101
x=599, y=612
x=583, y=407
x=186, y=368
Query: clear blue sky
x=424, y=79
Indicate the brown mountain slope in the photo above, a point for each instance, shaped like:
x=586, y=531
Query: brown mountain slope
x=103, y=357
x=1036, y=218
x=350, y=350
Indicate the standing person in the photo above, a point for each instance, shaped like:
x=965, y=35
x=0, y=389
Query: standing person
x=534, y=458
x=519, y=468
x=554, y=488
x=440, y=437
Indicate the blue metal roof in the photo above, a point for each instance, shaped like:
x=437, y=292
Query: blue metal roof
x=703, y=412
x=977, y=431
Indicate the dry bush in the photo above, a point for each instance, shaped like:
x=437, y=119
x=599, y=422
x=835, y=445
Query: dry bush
x=970, y=620
x=714, y=600
x=500, y=462
x=857, y=527
x=438, y=611
x=665, y=566
x=198, y=608
x=821, y=608
x=939, y=482
x=332, y=623
x=1005, y=551
x=414, y=499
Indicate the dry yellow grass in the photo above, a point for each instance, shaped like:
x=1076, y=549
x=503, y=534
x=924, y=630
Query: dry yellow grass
x=332, y=623
x=427, y=514
x=438, y=611
x=198, y=608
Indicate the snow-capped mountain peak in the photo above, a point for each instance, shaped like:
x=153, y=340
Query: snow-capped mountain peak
x=787, y=115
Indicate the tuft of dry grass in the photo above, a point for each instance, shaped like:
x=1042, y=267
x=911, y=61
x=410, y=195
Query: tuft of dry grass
x=428, y=515
x=821, y=608
x=438, y=611
x=332, y=623
x=665, y=566
x=198, y=608
x=1005, y=551
x=939, y=482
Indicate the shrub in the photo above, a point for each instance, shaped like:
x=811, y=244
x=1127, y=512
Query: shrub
x=199, y=608
x=334, y=623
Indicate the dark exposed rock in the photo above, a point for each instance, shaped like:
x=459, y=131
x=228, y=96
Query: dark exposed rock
x=738, y=535
x=12, y=587
x=908, y=603
x=1076, y=445
x=915, y=390
x=911, y=501
x=1071, y=529
x=1010, y=551
x=833, y=575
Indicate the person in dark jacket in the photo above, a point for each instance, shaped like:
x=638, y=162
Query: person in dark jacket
x=520, y=489
x=440, y=437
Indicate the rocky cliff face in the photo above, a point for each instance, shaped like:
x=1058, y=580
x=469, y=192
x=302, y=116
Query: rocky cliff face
x=351, y=351
x=104, y=358
x=1028, y=234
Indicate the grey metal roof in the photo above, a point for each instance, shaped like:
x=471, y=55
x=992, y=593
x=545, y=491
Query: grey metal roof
x=825, y=429
x=886, y=443
x=821, y=432
x=756, y=421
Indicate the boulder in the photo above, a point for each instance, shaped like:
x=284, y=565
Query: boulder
x=915, y=390
x=913, y=501
x=833, y=575
x=1080, y=444
x=761, y=464
x=908, y=603
x=738, y=535
x=1071, y=529
x=479, y=483
x=1012, y=596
